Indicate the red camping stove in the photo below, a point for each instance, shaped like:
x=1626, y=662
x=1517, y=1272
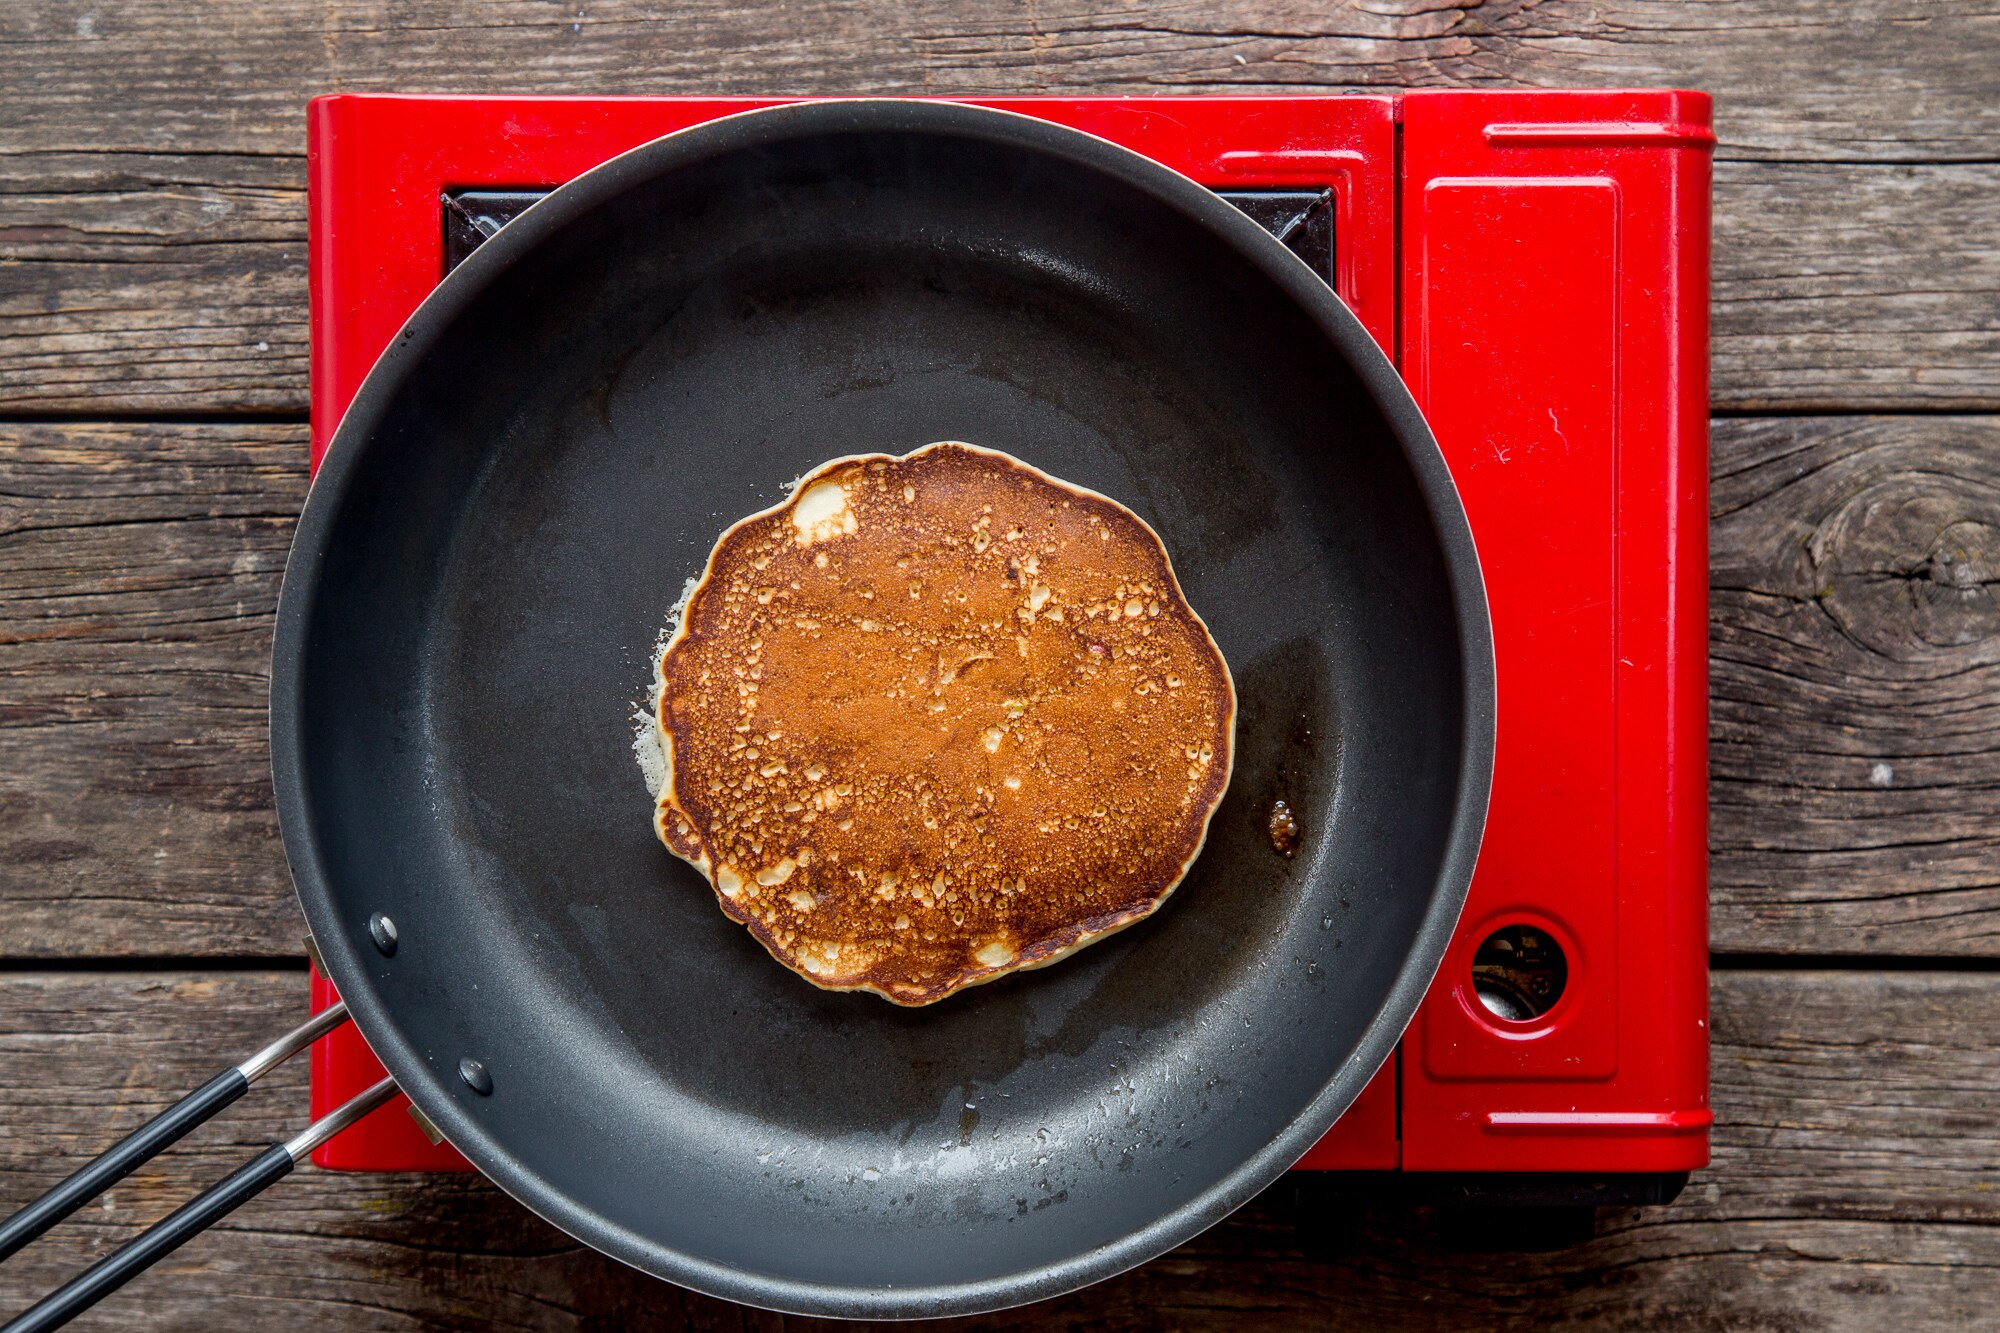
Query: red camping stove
x=1537, y=265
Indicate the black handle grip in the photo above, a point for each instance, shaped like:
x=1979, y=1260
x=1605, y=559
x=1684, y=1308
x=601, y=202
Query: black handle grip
x=155, y=1243
x=120, y=1160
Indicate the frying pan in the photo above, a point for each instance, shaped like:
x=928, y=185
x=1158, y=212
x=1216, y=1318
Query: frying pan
x=513, y=502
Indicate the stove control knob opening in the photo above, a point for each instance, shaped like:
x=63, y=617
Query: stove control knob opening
x=1519, y=972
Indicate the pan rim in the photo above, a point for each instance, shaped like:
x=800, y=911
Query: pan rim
x=769, y=125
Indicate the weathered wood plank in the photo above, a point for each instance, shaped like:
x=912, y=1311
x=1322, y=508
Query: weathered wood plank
x=1851, y=1190
x=134, y=284
x=1851, y=287
x=152, y=282
x=1855, y=654
x=1881, y=80
x=151, y=231
x=139, y=571
x=1855, y=700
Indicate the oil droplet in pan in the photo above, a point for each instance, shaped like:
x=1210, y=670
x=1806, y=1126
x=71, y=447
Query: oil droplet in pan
x=1283, y=827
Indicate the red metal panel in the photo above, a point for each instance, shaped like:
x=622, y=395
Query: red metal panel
x=386, y=1139
x=1564, y=237
x=1533, y=420
x=1555, y=331
x=377, y=166
x=1366, y=1137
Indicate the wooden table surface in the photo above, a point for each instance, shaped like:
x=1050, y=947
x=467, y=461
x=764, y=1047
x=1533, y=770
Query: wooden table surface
x=152, y=457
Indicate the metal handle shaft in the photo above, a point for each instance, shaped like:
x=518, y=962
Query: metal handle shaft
x=191, y=1218
x=160, y=1133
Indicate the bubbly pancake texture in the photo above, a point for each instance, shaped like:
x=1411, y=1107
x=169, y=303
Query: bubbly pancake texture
x=939, y=718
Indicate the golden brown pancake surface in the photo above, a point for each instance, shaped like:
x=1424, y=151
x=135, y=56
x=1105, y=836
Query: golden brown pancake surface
x=938, y=718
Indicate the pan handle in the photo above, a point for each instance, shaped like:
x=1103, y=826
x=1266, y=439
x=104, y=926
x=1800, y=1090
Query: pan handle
x=160, y=1133
x=261, y=1172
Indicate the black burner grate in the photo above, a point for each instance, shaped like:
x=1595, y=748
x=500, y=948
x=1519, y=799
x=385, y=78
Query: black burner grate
x=1302, y=219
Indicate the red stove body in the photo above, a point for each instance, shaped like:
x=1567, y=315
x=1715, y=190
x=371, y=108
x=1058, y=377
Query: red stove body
x=1537, y=265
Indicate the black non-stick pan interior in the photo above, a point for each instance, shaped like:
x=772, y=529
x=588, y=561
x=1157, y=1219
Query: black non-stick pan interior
x=546, y=456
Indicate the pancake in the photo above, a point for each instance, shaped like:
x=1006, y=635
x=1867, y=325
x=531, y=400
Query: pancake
x=938, y=718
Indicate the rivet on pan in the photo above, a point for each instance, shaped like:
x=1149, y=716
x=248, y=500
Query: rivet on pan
x=383, y=931
x=475, y=1076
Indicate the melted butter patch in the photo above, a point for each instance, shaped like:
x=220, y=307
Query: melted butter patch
x=822, y=513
